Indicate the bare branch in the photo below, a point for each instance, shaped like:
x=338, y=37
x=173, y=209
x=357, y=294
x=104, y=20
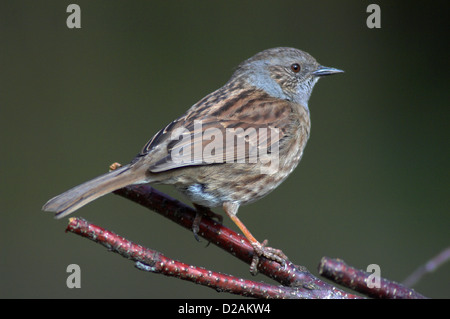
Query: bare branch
x=153, y=261
x=338, y=271
x=296, y=281
x=225, y=238
x=430, y=266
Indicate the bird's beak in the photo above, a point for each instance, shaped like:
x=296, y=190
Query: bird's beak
x=324, y=70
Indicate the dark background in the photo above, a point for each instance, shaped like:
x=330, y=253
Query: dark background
x=373, y=185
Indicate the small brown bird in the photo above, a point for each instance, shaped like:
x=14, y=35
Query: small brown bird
x=231, y=148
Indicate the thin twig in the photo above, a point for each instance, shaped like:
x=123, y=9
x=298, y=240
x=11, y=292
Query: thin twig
x=430, y=266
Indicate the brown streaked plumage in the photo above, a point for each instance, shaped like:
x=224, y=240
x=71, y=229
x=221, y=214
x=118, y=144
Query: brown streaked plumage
x=231, y=148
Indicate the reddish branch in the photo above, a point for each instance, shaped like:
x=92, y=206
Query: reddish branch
x=355, y=279
x=296, y=281
x=153, y=261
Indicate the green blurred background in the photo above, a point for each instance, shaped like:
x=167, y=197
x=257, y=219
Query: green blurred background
x=373, y=185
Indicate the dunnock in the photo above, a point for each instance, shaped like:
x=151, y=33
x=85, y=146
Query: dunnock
x=231, y=148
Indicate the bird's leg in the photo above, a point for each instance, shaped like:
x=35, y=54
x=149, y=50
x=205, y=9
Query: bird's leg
x=203, y=211
x=260, y=249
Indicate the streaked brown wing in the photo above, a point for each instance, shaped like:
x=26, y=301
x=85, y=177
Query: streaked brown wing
x=256, y=123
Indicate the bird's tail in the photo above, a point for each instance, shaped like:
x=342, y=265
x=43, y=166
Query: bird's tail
x=69, y=201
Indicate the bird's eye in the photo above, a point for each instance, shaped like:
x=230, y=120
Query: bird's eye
x=295, y=67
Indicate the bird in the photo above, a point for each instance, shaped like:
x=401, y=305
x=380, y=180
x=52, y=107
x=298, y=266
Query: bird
x=231, y=148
